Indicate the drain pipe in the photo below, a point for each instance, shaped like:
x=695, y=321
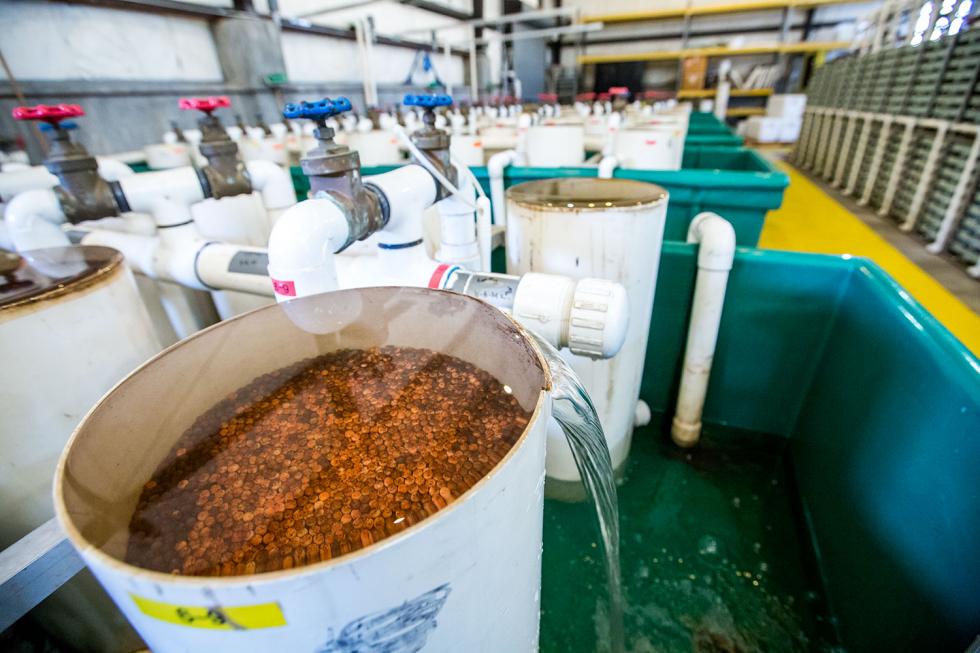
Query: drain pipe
x=607, y=166
x=715, y=256
x=496, y=166
x=495, y=169
x=609, y=161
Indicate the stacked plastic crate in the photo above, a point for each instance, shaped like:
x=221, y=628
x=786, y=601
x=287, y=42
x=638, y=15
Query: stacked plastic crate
x=841, y=93
x=966, y=242
x=936, y=85
x=925, y=79
x=940, y=196
x=897, y=64
x=869, y=100
x=964, y=77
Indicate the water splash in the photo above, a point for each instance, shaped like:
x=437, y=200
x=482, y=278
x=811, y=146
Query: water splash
x=573, y=410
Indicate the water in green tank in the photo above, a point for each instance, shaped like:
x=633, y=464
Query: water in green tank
x=713, y=551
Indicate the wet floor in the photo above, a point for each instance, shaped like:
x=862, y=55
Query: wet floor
x=714, y=555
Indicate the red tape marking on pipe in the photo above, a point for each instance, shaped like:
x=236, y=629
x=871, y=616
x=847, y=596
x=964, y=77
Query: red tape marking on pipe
x=285, y=288
x=437, y=276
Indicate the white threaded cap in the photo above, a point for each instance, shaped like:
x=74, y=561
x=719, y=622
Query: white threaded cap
x=598, y=318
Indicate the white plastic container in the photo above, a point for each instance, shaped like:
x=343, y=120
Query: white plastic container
x=376, y=148
x=163, y=156
x=791, y=105
x=649, y=148
x=263, y=149
x=71, y=325
x=764, y=129
x=609, y=229
x=553, y=146
x=789, y=131
x=501, y=136
x=597, y=130
x=769, y=129
x=467, y=149
x=464, y=579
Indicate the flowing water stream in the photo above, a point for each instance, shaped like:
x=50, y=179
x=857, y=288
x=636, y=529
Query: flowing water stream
x=573, y=410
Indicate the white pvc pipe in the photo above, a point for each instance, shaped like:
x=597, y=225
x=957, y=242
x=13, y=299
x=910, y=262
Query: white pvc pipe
x=302, y=247
x=179, y=185
x=495, y=170
x=273, y=182
x=16, y=181
x=140, y=224
x=715, y=256
x=215, y=267
x=484, y=211
x=113, y=170
x=180, y=256
x=484, y=231
x=139, y=251
x=607, y=166
x=458, y=243
x=410, y=190
x=34, y=220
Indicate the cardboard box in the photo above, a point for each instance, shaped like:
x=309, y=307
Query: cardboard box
x=694, y=70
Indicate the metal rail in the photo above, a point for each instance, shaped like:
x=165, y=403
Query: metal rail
x=32, y=568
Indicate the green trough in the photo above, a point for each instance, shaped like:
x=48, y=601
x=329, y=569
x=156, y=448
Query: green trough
x=706, y=123
x=834, y=502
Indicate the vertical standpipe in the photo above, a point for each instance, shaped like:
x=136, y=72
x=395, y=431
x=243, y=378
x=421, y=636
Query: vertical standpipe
x=603, y=228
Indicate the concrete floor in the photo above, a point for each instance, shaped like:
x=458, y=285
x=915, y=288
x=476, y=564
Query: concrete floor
x=946, y=268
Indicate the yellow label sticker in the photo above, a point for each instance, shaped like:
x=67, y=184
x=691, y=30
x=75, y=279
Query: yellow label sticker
x=240, y=617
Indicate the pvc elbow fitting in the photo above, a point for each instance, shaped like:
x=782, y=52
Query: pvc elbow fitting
x=273, y=182
x=302, y=247
x=34, y=219
x=717, y=238
x=607, y=167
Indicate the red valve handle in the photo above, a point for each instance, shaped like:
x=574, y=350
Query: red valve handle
x=602, y=97
x=52, y=114
x=205, y=104
x=585, y=97
x=618, y=90
x=548, y=97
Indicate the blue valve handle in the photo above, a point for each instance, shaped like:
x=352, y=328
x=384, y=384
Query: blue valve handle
x=65, y=125
x=427, y=101
x=319, y=110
